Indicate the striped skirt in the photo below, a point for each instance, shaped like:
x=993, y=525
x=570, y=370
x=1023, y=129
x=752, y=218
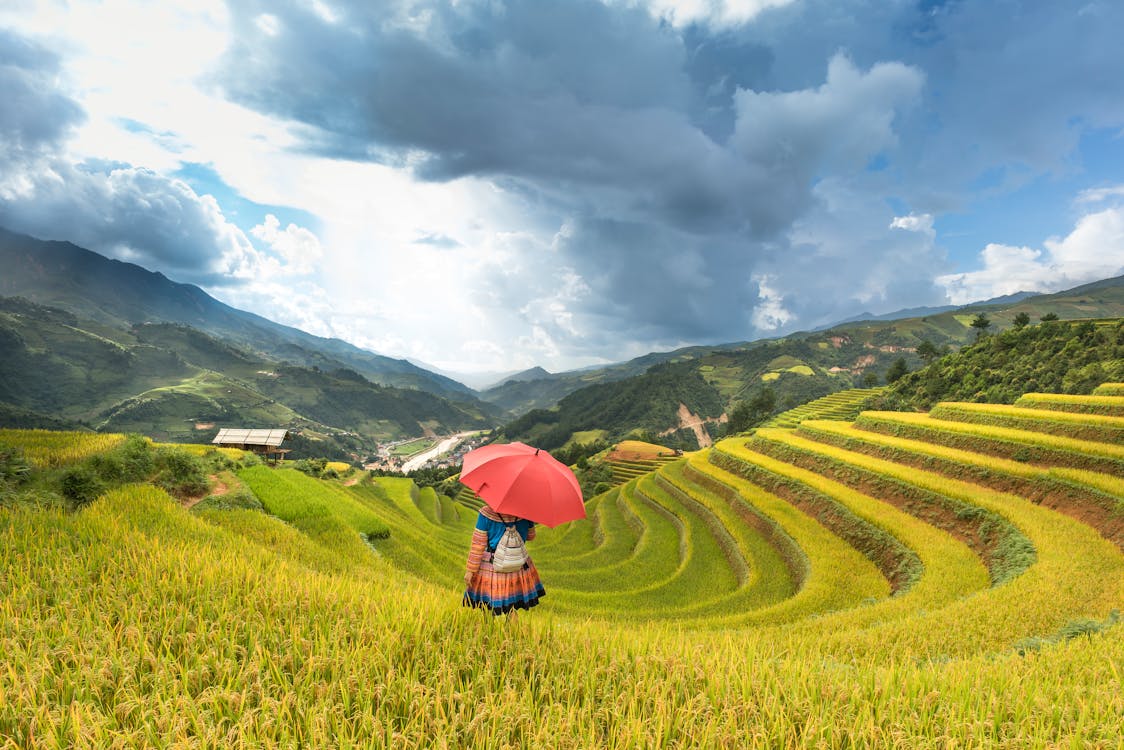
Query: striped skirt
x=503, y=592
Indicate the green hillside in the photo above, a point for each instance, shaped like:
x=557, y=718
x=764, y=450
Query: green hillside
x=1063, y=356
x=121, y=295
x=176, y=383
x=853, y=351
x=1052, y=356
x=927, y=580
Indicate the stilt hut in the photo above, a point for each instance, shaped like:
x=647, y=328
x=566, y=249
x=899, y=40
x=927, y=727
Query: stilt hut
x=266, y=443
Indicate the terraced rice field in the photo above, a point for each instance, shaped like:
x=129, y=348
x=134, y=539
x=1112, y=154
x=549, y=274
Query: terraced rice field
x=943, y=580
x=839, y=405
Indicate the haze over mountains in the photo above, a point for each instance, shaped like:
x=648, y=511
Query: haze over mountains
x=226, y=360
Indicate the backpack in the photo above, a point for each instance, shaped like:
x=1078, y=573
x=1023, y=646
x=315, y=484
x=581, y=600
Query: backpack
x=510, y=554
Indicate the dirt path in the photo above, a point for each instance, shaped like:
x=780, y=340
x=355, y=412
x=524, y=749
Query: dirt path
x=218, y=487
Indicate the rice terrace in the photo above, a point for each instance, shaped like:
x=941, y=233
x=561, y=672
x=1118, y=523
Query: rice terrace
x=561, y=375
x=944, y=580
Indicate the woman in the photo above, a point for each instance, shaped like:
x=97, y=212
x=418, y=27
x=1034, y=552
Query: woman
x=502, y=593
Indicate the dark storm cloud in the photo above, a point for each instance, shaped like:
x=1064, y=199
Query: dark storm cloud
x=35, y=115
x=579, y=96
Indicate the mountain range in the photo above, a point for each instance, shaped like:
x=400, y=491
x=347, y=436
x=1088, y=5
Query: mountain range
x=113, y=292
x=111, y=345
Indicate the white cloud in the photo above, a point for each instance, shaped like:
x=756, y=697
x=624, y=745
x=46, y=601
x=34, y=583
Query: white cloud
x=1093, y=250
x=297, y=246
x=843, y=122
x=714, y=13
x=1098, y=195
x=922, y=223
x=770, y=314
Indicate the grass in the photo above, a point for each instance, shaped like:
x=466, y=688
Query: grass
x=694, y=607
x=1093, y=496
x=1018, y=445
x=1061, y=423
x=50, y=448
x=1106, y=405
x=839, y=405
x=412, y=447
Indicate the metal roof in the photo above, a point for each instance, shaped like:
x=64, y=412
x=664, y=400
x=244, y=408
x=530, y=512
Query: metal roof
x=238, y=436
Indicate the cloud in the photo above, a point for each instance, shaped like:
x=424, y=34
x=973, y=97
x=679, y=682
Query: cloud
x=922, y=223
x=1093, y=250
x=436, y=239
x=714, y=13
x=837, y=127
x=37, y=114
x=770, y=314
x=297, y=247
x=1099, y=195
x=132, y=214
x=580, y=180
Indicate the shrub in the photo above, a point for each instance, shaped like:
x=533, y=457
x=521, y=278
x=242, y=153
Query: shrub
x=179, y=473
x=241, y=499
x=14, y=468
x=81, y=485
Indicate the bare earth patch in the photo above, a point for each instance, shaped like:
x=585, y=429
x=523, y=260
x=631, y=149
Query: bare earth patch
x=218, y=487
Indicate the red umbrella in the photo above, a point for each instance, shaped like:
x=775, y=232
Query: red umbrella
x=519, y=480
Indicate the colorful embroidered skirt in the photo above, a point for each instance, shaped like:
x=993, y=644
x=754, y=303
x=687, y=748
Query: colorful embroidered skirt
x=503, y=592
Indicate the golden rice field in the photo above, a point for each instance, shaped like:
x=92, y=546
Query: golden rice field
x=901, y=581
x=49, y=448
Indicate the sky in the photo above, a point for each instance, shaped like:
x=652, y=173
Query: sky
x=490, y=185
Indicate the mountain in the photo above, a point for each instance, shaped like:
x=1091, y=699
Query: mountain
x=175, y=383
x=113, y=292
x=900, y=331
x=477, y=380
x=783, y=372
x=917, y=312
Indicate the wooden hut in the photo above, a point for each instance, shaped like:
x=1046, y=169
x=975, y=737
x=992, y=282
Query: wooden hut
x=266, y=443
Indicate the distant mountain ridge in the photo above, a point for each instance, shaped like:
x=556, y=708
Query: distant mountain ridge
x=63, y=275
x=841, y=357
x=175, y=383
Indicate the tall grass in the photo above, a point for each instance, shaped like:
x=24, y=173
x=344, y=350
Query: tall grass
x=51, y=448
x=693, y=609
x=194, y=635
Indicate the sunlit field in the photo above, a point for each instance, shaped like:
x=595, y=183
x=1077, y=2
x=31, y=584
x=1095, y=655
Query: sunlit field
x=943, y=580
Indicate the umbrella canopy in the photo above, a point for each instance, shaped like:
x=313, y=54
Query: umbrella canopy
x=519, y=480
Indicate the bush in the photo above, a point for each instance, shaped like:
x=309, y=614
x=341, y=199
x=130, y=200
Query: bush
x=241, y=499
x=14, y=468
x=81, y=485
x=179, y=473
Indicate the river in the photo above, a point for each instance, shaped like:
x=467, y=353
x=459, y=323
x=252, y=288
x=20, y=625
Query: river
x=446, y=445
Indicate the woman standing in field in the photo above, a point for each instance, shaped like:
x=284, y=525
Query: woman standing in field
x=491, y=589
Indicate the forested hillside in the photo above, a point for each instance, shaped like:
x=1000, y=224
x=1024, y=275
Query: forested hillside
x=863, y=350
x=120, y=294
x=1053, y=356
x=175, y=383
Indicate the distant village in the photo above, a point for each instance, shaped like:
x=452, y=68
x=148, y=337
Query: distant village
x=387, y=460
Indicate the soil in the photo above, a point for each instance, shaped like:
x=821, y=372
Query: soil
x=218, y=487
x=693, y=422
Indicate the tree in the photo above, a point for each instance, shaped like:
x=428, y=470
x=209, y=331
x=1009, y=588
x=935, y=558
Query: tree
x=1048, y=317
x=870, y=380
x=927, y=351
x=746, y=414
x=897, y=370
x=1022, y=320
x=981, y=323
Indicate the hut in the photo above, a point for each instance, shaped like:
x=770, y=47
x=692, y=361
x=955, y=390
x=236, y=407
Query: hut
x=266, y=443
